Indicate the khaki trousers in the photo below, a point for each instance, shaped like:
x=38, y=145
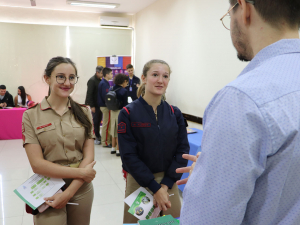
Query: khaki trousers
x=114, y=123
x=105, y=133
x=70, y=214
x=132, y=185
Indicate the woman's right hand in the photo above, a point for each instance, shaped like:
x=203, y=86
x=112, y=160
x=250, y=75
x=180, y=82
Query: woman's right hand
x=162, y=199
x=88, y=173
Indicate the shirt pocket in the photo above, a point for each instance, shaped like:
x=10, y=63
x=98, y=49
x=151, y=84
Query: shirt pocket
x=47, y=134
x=79, y=135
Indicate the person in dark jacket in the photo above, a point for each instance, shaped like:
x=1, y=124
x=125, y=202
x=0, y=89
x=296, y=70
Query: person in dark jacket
x=152, y=138
x=6, y=99
x=92, y=101
x=103, y=89
x=133, y=83
x=120, y=81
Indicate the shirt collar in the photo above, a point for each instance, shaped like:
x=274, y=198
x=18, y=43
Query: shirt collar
x=284, y=46
x=45, y=104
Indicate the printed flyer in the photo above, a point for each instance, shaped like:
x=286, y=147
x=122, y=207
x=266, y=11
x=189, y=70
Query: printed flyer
x=141, y=205
x=36, y=188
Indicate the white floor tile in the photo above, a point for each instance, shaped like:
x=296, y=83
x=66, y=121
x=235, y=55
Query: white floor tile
x=28, y=220
x=108, y=194
x=11, y=221
x=111, y=214
x=14, y=173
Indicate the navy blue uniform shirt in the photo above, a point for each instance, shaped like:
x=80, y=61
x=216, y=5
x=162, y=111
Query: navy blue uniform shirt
x=103, y=88
x=122, y=95
x=132, y=83
x=148, y=146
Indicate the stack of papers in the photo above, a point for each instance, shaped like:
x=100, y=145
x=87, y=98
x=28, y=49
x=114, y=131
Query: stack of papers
x=36, y=188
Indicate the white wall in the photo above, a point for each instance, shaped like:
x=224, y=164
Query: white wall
x=25, y=47
x=191, y=38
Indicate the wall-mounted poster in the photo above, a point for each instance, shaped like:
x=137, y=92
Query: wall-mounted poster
x=116, y=63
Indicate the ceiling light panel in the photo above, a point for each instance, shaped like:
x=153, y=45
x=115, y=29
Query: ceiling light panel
x=93, y=4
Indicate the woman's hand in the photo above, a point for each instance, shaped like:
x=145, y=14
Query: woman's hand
x=88, y=173
x=161, y=198
x=58, y=200
x=188, y=169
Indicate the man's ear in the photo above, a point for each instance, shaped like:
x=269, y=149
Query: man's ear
x=246, y=12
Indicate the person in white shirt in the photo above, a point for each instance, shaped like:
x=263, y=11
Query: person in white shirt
x=22, y=98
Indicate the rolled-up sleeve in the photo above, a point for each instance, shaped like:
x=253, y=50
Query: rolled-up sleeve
x=28, y=134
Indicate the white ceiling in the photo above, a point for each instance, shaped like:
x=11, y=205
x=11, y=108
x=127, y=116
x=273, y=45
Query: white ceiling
x=126, y=6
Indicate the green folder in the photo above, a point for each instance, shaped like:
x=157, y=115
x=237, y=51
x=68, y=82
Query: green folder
x=164, y=220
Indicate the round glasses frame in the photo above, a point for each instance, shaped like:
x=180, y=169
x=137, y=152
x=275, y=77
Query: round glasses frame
x=63, y=80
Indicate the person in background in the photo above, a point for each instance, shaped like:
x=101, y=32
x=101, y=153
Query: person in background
x=92, y=100
x=152, y=139
x=6, y=99
x=133, y=84
x=103, y=89
x=248, y=170
x=121, y=82
x=22, y=98
x=59, y=143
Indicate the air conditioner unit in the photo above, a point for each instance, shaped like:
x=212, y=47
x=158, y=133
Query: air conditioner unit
x=114, y=21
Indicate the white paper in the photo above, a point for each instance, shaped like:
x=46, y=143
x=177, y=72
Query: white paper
x=142, y=207
x=114, y=60
x=129, y=99
x=36, y=188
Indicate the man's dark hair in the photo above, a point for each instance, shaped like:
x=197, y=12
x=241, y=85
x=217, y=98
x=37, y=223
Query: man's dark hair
x=2, y=86
x=106, y=71
x=276, y=12
x=120, y=78
x=99, y=69
x=129, y=66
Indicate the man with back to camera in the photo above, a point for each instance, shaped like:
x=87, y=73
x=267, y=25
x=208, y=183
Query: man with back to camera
x=248, y=171
x=6, y=99
x=92, y=100
x=133, y=84
x=103, y=89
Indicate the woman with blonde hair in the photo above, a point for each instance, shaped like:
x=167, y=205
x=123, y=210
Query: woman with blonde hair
x=152, y=138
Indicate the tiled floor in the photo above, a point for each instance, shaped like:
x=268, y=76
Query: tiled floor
x=109, y=186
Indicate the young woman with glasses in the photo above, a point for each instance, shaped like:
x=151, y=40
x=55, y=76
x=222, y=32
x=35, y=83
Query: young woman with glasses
x=59, y=142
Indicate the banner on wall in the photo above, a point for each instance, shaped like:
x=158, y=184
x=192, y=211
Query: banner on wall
x=116, y=63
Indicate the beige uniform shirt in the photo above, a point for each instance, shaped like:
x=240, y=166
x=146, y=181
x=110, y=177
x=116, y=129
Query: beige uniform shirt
x=60, y=137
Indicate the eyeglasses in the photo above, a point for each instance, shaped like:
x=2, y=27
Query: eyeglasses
x=61, y=79
x=226, y=18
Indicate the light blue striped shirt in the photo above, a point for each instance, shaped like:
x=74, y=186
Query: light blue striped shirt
x=249, y=169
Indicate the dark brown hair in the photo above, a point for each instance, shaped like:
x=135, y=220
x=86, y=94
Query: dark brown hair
x=129, y=66
x=120, y=78
x=276, y=12
x=106, y=71
x=76, y=109
x=23, y=94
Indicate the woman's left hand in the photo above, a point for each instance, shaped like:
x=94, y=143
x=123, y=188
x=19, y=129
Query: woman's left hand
x=58, y=200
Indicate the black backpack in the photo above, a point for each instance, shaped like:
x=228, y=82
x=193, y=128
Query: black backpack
x=111, y=100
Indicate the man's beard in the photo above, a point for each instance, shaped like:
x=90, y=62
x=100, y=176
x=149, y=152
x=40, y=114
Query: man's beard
x=241, y=44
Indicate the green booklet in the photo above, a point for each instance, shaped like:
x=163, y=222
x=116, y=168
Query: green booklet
x=164, y=220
